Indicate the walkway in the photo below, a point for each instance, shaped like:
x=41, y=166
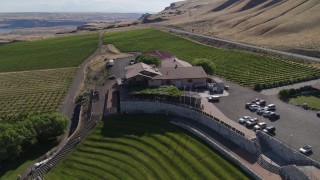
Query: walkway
x=211, y=109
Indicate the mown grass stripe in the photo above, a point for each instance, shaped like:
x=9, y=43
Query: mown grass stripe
x=130, y=170
x=139, y=149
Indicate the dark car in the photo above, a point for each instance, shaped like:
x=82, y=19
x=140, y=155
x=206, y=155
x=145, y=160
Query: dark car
x=318, y=114
x=274, y=116
x=112, y=77
x=248, y=105
x=261, y=102
x=306, y=150
x=269, y=130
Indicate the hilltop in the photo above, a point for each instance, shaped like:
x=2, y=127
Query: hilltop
x=291, y=25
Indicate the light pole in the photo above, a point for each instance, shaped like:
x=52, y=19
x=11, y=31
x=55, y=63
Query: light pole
x=184, y=93
x=290, y=141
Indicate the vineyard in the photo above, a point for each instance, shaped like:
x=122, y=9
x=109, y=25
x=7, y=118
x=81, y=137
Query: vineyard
x=245, y=68
x=34, y=91
x=68, y=51
x=143, y=147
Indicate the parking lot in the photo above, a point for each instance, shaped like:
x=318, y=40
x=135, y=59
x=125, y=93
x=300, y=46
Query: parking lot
x=296, y=127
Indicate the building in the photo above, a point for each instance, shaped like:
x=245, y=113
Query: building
x=145, y=75
x=174, y=62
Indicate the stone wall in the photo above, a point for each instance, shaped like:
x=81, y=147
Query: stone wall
x=290, y=155
x=293, y=173
x=162, y=108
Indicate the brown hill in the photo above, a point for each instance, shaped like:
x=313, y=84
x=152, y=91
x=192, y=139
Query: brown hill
x=292, y=25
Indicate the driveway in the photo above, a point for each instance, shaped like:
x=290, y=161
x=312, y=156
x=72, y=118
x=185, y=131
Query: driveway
x=296, y=127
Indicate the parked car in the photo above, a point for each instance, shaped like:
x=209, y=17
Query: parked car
x=260, y=126
x=269, y=130
x=306, y=150
x=274, y=116
x=252, y=122
x=112, y=77
x=132, y=61
x=271, y=107
x=110, y=62
x=256, y=100
x=318, y=114
x=226, y=87
x=214, y=98
x=248, y=105
x=261, y=102
x=244, y=119
x=95, y=96
x=254, y=107
x=260, y=111
x=266, y=114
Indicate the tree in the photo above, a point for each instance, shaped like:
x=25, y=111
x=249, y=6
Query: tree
x=284, y=94
x=23, y=134
x=206, y=64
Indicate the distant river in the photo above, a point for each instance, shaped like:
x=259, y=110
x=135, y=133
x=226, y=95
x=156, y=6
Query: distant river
x=3, y=30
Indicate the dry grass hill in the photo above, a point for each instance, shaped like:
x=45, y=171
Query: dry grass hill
x=292, y=25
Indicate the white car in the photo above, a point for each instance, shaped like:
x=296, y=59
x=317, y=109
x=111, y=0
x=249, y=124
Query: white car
x=244, y=119
x=260, y=126
x=306, y=150
x=252, y=122
x=254, y=107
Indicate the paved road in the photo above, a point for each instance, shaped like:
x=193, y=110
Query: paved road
x=302, y=125
x=282, y=53
x=69, y=105
x=275, y=91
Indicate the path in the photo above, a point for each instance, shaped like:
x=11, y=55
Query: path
x=275, y=91
x=282, y=53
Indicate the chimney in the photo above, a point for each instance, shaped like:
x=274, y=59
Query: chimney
x=176, y=66
x=167, y=72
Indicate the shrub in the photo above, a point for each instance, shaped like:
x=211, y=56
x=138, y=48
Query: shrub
x=148, y=59
x=206, y=64
x=257, y=87
x=284, y=94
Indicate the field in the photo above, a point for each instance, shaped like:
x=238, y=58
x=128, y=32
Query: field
x=143, y=147
x=68, y=51
x=245, y=68
x=34, y=91
x=313, y=100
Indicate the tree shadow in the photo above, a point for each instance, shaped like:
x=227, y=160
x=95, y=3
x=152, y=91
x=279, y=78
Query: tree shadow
x=136, y=124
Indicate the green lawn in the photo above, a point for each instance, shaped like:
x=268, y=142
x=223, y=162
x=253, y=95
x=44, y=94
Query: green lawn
x=313, y=100
x=244, y=68
x=143, y=147
x=68, y=51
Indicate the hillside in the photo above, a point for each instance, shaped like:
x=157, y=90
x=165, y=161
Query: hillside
x=291, y=25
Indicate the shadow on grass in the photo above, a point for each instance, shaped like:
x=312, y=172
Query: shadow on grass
x=32, y=154
x=138, y=125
